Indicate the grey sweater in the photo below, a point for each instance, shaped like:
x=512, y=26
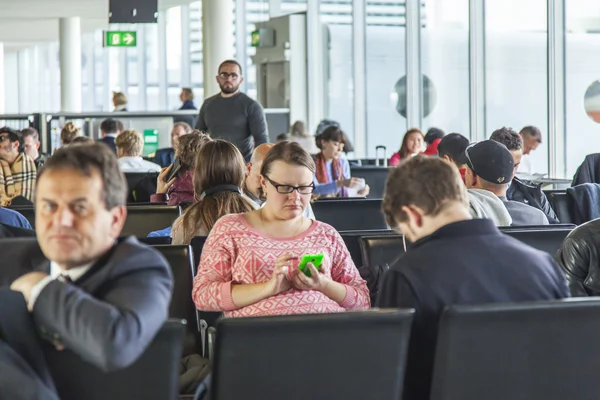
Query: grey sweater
x=238, y=119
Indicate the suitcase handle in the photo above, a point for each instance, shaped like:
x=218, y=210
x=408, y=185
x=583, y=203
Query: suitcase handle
x=385, y=161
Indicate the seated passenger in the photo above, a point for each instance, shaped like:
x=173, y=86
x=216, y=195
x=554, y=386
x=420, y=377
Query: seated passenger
x=523, y=191
x=165, y=157
x=332, y=176
x=453, y=260
x=31, y=146
x=452, y=148
x=130, y=145
x=490, y=170
x=110, y=129
x=433, y=137
x=180, y=189
x=218, y=178
x=300, y=135
x=249, y=264
x=102, y=297
x=412, y=144
x=69, y=133
x=252, y=187
x=578, y=257
x=17, y=169
x=13, y=218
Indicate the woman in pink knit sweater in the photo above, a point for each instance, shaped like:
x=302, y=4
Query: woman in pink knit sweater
x=249, y=264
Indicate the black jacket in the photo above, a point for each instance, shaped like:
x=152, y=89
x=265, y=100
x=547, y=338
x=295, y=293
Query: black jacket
x=588, y=171
x=579, y=257
x=531, y=194
x=435, y=272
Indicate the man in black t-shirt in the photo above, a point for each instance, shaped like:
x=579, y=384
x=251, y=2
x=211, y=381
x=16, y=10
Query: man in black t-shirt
x=453, y=259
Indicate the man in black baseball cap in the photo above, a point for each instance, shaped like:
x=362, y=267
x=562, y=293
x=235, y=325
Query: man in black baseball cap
x=490, y=167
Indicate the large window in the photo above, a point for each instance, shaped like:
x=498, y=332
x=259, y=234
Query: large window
x=582, y=81
x=445, y=65
x=386, y=66
x=516, y=66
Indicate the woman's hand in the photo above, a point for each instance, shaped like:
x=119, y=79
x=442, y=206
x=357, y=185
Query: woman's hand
x=364, y=192
x=353, y=183
x=162, y=187
x=279, y=282
x=316, y=281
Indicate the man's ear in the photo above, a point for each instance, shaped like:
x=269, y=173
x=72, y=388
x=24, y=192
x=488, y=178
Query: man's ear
x=415, y=215
x=248, y=168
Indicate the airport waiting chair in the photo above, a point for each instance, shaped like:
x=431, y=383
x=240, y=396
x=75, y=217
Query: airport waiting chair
x=374, y=176
x=540, y=350
x=548, y=240
x=206, y=319
x=347, y=215
x=28, y=212
x=154, y=376
x=182, y=306
x=141, y=185
x=563, y=206
x=145, y=219
x=156, y=240
x=350, y=356
x=352, y=241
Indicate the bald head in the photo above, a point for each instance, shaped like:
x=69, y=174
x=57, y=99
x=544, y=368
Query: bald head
x=260, y=153
x=254, y=166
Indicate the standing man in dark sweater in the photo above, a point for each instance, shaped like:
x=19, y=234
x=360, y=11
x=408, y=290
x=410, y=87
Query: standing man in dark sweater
x=232, y=115
x=453, y=260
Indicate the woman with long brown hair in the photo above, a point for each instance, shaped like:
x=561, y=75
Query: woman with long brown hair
x=412, y=144
x=218, y=179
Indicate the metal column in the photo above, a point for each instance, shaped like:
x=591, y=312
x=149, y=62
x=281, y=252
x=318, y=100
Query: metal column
x=557, y=132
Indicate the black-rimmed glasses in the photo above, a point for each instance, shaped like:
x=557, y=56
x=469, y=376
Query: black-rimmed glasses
x=225, y=75
x=287, y=189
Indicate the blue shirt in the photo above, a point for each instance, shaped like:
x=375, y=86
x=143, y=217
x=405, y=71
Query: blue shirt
x=331, y=187
x=13, y=218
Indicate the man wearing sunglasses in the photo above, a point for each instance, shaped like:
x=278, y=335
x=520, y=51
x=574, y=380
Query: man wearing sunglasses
x=17, y=170
x=231, y=115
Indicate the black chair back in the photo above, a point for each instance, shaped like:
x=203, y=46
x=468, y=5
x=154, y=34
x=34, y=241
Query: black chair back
x=154, y=376
x=548, y=240
x=375, y=177
x=155, y=240
x=206, y=319
x=350, y=356
x=141, y=185
x=182, y=306
x=145, y=219
x=352, y=241
x=381, y=250
x=524, y=351
x=28, y=212
x=346, y=215
x=563, y=206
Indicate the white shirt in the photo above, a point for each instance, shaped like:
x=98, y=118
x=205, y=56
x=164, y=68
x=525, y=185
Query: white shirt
x=526, y=166
x=55, y=273
x=137, y=164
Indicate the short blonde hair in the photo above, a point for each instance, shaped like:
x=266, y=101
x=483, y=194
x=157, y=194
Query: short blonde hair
x=119, y=98
x=131, y=142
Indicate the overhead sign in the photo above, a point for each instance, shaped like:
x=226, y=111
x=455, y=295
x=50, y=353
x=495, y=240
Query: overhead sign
x=120, y=38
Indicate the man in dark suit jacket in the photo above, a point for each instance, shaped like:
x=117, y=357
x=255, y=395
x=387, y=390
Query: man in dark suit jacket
x=90, y=295
x=110, y=128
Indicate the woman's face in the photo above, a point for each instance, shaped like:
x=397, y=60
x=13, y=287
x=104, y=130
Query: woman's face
x=332, y=149
x=414, y=143
x=286, y=205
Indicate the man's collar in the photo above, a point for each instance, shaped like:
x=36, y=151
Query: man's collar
x=468, y=227
x=73, y=273
x=112, y=135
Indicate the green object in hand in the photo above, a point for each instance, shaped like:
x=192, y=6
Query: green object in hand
x=315, y=259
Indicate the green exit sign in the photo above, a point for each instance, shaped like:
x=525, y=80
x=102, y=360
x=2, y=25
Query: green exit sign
x=120, y=39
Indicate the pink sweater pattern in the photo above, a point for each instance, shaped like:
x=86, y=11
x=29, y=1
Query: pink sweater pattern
x=235, y=252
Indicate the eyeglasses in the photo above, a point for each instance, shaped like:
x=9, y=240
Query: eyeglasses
x=287, y=189
x=225, y=75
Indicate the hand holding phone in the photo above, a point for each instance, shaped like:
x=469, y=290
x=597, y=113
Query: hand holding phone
x=315, y=259
x=174, y=170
